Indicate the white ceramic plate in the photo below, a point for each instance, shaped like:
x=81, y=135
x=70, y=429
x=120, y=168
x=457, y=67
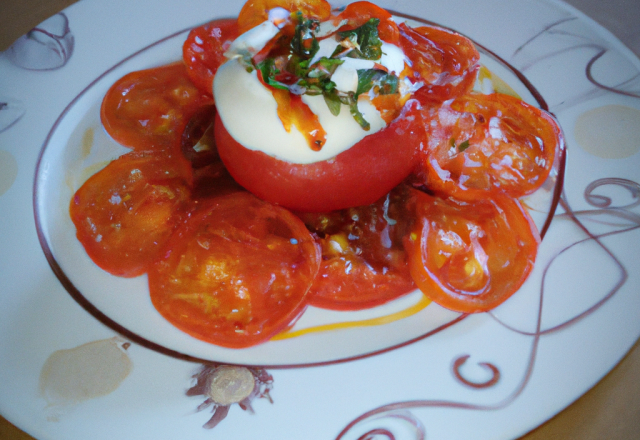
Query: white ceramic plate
x=494, y=375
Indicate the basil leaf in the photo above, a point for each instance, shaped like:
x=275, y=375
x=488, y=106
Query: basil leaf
x=268, y=70
x=304, y=43
x=385, y=83
x=333, y=102
x=366, y=36
x=366, y=78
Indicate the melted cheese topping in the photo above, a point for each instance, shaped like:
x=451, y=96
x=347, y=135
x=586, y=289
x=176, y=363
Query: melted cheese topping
x=249, y=113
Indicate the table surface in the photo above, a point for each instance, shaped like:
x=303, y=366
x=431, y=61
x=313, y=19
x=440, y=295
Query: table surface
x=611, y=409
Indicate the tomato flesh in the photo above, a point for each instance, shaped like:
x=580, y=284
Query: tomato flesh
x=203, y=51
x=489, y=143
x=255, y=12
x=363, y=260
x=470, y=256
x=446, y=61
x=355, y=177
x=236, y=273
x=359, y=13
x=149, y=109
x=126, y=212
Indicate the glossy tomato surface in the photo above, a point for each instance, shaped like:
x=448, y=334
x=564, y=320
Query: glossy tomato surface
x=255, y=12
x=149, y=109
x=355, y=177
x=125, y=213
x=203, y=51
x=446, y=61
x=357, y=14
x=470, y=256
x=236, y=273
x=364, y=263
x=489, y=143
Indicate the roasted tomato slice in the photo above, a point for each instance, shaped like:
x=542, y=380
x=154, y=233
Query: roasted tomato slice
x=359, y=13
x=125, y=213
x=236, y=273
x=363, y=260
x=446, y=61
x=197, y=142
x=203, y=51
x=489, y=143
x=470, y=256
x=355, y=177
x=257, y=11
x=149, y=109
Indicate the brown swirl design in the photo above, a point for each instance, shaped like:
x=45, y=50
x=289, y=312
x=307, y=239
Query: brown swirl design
x=618, y=217
x=403, y=421
x=575, y=40
x=495, y=373
x=603, y=206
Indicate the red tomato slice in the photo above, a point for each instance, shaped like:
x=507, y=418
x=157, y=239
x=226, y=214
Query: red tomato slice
x=494, y=143
x=203, y=51
x=255, y=12
x=446, y=61
x=236, y=273
x=363, y=260
x=125, y=213
x=355, y=177
x=197, y=143
x=148, y=109
x=358, y=13
x=471, y=256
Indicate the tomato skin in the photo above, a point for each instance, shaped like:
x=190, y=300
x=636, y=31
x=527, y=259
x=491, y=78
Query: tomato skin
x=363, y=260
x=355, y=177
x=236, y=273
x=359, y=13
x=147, y=110
x=511, y=146
x=470, y=257
x=126, y=212
x=203, y=51
x=255, y=12
x=446, y=61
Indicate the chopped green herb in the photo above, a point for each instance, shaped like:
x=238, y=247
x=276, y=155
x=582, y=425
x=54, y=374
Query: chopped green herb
x=385, y=83
x=294, y=72
x=369, y=45
x=269, y=70
x=333, y=102
x=355, y=112
x=304, y=43
x=463, y=145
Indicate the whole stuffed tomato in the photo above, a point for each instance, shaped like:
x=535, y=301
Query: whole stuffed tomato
x=315, y=111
